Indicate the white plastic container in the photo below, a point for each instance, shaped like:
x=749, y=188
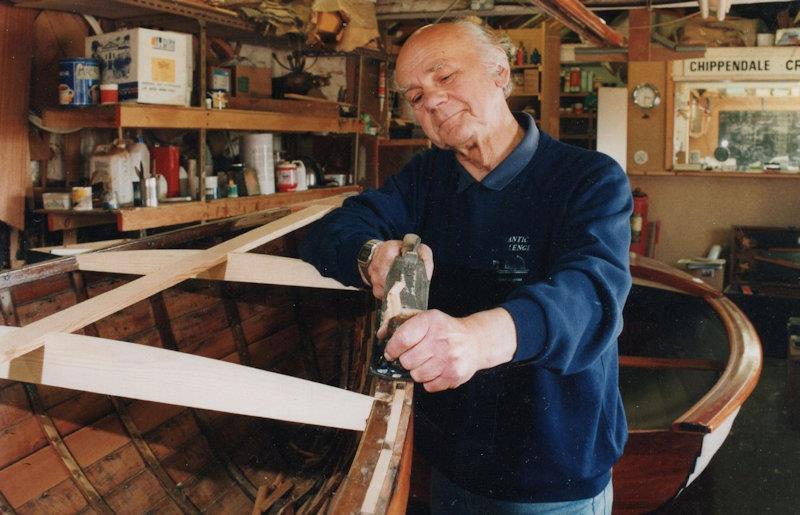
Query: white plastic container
x=140, y=156
x=256, y=151
x=110, y=165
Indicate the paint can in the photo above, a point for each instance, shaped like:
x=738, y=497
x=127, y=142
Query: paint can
x=78, y=82
x=82, y=198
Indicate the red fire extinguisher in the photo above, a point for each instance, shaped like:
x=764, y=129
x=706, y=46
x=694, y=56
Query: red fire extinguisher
x=639, y=223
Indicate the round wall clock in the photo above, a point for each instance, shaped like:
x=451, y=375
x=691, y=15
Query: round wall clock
x=646, y=96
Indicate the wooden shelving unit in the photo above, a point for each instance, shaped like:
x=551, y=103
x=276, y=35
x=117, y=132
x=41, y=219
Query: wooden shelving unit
x=175, y=117
x=138, y=218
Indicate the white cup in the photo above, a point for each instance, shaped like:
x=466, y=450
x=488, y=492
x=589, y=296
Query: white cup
x=765, y=39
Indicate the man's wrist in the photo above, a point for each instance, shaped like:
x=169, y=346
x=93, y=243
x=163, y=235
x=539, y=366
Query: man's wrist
x=364, y=258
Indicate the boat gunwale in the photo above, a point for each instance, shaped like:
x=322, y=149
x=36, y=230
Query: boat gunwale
x=742, y=369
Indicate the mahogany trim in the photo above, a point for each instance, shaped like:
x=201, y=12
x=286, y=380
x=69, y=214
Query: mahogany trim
x=79, y=478
x=737, y=380
x=652, y=270
x=670, y=363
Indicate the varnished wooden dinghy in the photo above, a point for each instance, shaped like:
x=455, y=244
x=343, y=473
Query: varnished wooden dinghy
x=232, y=397
x=688, y=361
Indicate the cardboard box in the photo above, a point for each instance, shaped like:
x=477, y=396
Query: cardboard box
x=57, y=200
x=530, y=82
x=150, y=66
x=250, y=81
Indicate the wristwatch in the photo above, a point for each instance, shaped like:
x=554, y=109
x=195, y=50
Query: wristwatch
x=364, y=258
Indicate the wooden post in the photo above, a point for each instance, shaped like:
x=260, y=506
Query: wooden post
x=551, y=79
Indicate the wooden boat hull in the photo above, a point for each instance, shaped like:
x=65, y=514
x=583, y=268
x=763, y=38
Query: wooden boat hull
x=688, y=360
x=67, y=451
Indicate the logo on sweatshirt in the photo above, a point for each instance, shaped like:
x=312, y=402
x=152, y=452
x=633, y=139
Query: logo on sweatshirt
x=518, y=244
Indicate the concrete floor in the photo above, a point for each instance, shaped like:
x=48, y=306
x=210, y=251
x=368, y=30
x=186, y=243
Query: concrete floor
x=757, y=469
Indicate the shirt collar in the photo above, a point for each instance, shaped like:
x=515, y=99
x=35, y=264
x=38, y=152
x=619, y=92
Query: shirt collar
x=512, y=165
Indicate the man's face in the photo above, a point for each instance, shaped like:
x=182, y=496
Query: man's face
x=454, y=97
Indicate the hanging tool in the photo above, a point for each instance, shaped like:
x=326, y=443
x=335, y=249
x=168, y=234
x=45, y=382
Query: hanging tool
x=405, y=295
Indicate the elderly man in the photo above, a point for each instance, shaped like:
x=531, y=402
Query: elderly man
x=517, y=404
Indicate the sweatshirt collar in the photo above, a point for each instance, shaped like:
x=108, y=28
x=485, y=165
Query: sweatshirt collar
x=512, y=165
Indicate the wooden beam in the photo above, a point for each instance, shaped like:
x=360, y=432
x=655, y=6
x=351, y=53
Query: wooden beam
x=147, y=373
x=239, y=267
x=577, y=17
x=75, y=317
x=639, y=35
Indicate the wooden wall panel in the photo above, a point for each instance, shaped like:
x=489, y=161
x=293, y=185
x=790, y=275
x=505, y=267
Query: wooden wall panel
x=647, y=128
x=16, y=46
x=697, y=212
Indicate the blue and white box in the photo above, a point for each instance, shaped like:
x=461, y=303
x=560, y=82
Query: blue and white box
x=150, y=66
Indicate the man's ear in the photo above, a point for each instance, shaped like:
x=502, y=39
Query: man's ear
x=502, y=75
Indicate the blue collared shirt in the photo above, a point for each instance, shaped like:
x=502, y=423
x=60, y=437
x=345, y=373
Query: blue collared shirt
x=512, y=165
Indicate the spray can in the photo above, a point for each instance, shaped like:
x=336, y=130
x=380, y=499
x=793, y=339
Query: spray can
x=151, y=192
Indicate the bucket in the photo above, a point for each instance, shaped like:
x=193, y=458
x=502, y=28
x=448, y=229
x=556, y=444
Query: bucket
x=257, y=154
x=78, y=82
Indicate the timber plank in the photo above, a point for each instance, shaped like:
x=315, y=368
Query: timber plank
x=197, y=325
x=239, y=266
x=189, y=461
x=167, y=438
x=33, y=311
x=210, y=484
x=20, y=440
x=62, y=498
x=138, y=495
x=149, y=415
x=115, y=468
x=28, y=338
x=232, y=500
x=217, y=346
x=79, y=411
x=13, y=405
x=37, y=290
x=94, y=442
x=26, y=479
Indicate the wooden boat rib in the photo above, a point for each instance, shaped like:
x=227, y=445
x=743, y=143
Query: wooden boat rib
x=65, y=450
x=688, y=361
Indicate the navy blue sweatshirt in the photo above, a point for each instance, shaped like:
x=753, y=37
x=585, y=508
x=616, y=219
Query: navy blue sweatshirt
x=545, y=235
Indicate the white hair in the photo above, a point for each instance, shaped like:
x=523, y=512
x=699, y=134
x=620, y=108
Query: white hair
x=494, y=47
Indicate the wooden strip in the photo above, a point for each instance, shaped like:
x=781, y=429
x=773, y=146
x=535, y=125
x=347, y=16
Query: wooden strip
x=239, y=267
x=235, y=324
x=79, y=248
x=174, y=491
x=380, y=472
x=738, y=379
x=147, y=373
x=688, y=364
x=85, y=487
x=30, y=337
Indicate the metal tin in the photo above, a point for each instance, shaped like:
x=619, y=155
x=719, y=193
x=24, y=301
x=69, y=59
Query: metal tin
x=78, y=82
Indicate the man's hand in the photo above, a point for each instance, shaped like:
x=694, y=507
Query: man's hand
x=444, y=352
x=383, y=258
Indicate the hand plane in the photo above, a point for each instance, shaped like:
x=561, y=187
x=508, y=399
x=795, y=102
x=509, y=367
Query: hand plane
x=405, y=295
